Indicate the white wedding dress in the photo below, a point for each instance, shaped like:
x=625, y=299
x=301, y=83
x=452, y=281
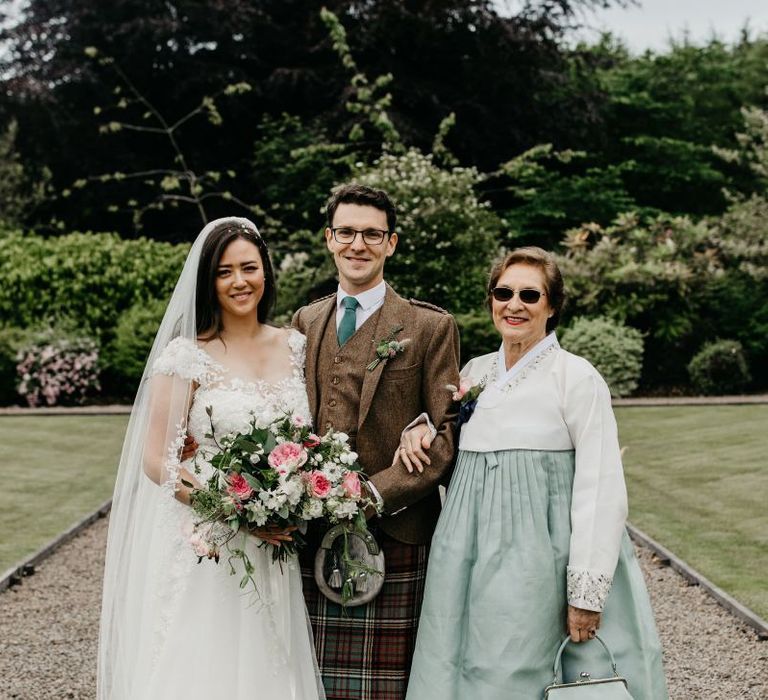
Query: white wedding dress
x=209, y=638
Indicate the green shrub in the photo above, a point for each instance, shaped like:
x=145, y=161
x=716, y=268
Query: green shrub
x=614, y=349
x=91, y=278
x=128, y=351
x=719, y=368
x=11, y=341
x=448, y=235
x=478, y=334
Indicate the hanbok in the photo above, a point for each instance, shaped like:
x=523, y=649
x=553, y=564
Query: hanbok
x=534, y=520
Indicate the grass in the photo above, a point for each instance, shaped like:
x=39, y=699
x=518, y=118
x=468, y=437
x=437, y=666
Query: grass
x=698, y=480
x=53, y=471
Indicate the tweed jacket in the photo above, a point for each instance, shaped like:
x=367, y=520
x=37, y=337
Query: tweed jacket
x=393, y=394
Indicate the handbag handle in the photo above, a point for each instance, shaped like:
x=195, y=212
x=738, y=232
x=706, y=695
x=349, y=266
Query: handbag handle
x=558, y=657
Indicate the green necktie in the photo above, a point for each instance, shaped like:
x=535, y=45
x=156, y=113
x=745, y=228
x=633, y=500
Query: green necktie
x=348, y=320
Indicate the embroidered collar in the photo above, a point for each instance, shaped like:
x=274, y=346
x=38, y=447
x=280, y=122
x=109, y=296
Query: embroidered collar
x=505, y=376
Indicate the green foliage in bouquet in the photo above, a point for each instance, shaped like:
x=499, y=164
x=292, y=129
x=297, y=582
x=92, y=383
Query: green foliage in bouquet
x=719, y=368
x=614, y=349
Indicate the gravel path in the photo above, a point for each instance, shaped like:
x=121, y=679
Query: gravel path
x=49, y=626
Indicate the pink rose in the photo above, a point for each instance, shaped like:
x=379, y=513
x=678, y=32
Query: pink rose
x=319, y=484
x=239, y=487
x=312, y=440
x=202, y=547
x=299, y=422
x=351, y=484
x=287, y=457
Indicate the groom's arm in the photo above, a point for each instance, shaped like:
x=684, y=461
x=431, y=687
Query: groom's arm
x=397, y=487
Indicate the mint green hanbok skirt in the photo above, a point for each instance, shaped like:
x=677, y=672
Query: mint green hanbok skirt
x=495, y=600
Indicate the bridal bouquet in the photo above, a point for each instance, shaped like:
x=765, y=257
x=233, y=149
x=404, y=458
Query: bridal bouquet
x=277, y=475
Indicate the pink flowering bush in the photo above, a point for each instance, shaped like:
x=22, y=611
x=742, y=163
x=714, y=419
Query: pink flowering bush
x=58, y=371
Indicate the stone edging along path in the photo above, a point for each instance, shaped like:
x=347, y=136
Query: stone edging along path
x=16, y=574
x=26, y=567
x=124, y=409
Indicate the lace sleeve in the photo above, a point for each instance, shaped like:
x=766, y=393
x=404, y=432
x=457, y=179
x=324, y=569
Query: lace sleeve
x=183, y=358
x=298, y=343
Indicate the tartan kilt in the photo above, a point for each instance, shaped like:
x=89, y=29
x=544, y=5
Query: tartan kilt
x=365, y=653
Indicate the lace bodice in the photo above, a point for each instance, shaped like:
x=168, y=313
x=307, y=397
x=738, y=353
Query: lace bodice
x=233, y=400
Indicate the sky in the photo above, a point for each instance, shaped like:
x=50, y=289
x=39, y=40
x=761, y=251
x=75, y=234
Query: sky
x=651, y=24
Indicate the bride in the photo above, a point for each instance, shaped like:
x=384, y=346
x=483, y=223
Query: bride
x=170, y=626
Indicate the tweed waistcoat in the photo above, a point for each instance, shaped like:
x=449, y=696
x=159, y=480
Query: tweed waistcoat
x=339, y=377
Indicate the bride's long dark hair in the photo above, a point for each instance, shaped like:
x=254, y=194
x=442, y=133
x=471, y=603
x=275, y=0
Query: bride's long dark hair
x=207, y=309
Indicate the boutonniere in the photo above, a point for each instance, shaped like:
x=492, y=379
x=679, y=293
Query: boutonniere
x=388, y=347
x=466, y=394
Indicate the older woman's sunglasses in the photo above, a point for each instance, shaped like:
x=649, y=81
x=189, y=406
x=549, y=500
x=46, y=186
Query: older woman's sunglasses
x=527, y=296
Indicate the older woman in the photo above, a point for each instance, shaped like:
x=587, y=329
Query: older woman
x=531, y=542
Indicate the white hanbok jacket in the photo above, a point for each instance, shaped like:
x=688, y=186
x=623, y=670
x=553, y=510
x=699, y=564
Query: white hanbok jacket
x=556, y=401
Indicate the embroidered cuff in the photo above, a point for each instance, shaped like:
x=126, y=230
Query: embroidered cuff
x=588, y=589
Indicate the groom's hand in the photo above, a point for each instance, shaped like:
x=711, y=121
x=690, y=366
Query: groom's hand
x=412, y=450
x=189, y=449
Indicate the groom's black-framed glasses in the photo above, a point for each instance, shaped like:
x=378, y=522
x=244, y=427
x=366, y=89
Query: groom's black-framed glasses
x=371, y=236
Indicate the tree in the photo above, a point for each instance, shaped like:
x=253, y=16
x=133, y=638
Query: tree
x=665, y=111
x=554, y=191
x=175, y=52
x=174, y=182
x=20, y=191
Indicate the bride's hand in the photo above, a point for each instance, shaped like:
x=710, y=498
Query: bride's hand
x=189, y=449
x=274, y=535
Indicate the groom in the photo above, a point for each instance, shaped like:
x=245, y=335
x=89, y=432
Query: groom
x=365, y=652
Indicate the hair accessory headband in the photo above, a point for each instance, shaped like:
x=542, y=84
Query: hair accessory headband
x=235, y=228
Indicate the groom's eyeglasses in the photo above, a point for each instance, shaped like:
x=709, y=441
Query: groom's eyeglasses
x=371, y=236
x=527, y=296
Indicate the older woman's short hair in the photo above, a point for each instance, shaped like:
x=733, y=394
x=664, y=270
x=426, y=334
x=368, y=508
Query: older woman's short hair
x=553, y=279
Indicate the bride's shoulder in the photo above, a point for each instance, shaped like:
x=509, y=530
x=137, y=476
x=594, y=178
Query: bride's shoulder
x=297, y=341
x=183, y=357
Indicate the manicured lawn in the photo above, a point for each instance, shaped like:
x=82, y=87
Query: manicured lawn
x=697, y=479
x=53, y=471
x=698, y=483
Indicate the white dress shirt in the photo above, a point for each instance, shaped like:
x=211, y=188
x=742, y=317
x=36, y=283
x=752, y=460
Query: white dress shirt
x=368, y=302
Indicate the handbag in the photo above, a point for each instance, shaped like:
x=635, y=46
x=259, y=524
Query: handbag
x=587, y=688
